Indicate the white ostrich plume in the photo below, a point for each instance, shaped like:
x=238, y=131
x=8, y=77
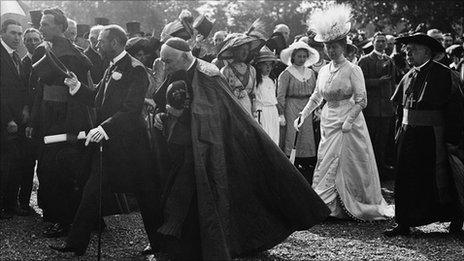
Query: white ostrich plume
x=332, y=23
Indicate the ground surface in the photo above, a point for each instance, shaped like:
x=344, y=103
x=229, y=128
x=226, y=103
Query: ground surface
x=20, y=239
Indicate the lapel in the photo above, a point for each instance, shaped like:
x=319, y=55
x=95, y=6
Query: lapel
x=121, y=67
x=10, y=63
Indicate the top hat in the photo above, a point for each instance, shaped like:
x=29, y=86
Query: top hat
x=203, y=25
x=49, y=67
x=133, y=27
x=102, y=21
x=36, y=16
x=422, y=39
x=82, y=30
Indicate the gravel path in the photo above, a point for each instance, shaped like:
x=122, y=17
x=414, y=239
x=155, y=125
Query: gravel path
x=20, y=239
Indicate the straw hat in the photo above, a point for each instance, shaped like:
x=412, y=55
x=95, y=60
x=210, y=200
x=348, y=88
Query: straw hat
x=286, y=54
x=265, y=55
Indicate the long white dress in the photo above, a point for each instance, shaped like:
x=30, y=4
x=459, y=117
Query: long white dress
x=266, y=101
x=346, y=175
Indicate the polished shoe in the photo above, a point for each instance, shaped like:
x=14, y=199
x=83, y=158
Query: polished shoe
x=65, y=249
x=56, y=230
x=397, y=231
x=147, y=251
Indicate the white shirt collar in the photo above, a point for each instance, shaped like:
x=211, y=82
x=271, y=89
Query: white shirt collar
x=418, y=68
x=8, y=49
x=193, y=62
x=117, y=58
x=378, y=53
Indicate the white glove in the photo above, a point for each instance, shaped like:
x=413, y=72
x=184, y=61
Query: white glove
x=346, y=127
x=158, y=123
x=96, y=135
x=297, y=125
x=282, y=121
x=73, y=83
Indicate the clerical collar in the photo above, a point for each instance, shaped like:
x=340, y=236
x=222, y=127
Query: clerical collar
x=378, y=53
x=191, y=65
x=418, y=68
x=8, y=49
x=117, y=58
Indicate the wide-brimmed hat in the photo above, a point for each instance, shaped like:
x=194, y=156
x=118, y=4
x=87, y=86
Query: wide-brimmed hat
x=286, y=54
x=265, y=55
x=238, y=39
x=331, y=24
x=422, y=39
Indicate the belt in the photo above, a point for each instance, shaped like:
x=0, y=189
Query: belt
x=336, y=104
x=423, y=118
x=55, y=93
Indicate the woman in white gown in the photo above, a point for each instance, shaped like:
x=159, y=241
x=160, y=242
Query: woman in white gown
x=346, y=176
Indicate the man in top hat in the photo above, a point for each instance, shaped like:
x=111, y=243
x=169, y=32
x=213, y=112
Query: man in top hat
x=14, y=115
x=379, y=74
x=430, y=125
x=63, y=167
x=133, y=29
x=210, y=185
x=120, y=133
x=98, y=64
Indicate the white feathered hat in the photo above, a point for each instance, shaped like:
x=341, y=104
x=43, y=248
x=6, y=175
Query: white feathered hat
x=331, y=24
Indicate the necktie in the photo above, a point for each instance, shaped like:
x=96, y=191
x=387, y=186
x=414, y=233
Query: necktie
x=16, y=61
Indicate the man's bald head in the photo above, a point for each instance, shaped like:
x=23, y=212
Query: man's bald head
x=283, y=29
x=176, y=55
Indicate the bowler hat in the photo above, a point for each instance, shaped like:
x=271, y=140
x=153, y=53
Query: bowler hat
x=36, y=16
x=203, y=25
x=82, y=29
x=133, y=27
x=49, y=67
x=422, y=39
x=102, y=21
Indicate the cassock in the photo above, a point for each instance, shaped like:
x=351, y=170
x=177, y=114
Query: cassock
x=430, y=114
x=62, y=167
x=244, y=194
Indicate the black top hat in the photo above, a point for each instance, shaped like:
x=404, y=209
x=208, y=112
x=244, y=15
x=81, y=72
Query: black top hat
x=203, y=25
x=49, y=67
x=133, y=27
x=36, y=16
x=102, y=21
x=82, y=30
x=422, y=39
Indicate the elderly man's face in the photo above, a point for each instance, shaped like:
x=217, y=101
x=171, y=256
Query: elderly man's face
x=173, y=61
x=48, y=28
x=219, y=38
x=105, y=46
x=12, y=36
x=32, y=40
x=416, y=54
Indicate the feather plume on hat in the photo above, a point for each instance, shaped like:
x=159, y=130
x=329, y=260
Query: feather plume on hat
x=331, y=24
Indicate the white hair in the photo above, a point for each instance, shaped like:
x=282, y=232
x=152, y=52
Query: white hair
x=95, y=30
x=281, y=28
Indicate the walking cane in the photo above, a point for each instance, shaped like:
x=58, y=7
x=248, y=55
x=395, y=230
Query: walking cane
x=100, y=201
x=293, y=152
x=259, y=116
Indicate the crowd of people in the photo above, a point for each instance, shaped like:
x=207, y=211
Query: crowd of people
x=229, y=147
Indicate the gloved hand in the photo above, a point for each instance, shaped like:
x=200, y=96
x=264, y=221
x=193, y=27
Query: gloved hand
x=297, y=124
x=282, y=120
x=73, y=83
x=95, y=135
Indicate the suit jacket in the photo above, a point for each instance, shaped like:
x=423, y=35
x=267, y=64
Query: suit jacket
x=26, y=65
x=126, y=164
x=13, y=92
x=98, y=66
x=378, y=91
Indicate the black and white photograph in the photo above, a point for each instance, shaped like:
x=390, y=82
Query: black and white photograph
x=274, y=130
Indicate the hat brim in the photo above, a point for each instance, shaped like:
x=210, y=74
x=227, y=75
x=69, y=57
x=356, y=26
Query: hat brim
x=286, y=54
x=226, y=51
x=422, y=39
x=265, y=59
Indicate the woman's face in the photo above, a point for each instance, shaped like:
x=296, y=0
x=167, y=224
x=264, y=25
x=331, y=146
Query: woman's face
x=333, y=50
x=265, y=68
x=241, y=53
x=300, y=57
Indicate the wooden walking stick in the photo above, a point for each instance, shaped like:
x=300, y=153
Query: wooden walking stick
x=293, y=152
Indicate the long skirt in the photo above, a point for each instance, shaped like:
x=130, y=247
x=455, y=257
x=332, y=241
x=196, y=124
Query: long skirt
x=346, y=175
x=269, y=120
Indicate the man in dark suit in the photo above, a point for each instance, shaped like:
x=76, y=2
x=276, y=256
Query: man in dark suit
x=379, y=72
x=14, y=115
x=124, y=152
x=98, y=65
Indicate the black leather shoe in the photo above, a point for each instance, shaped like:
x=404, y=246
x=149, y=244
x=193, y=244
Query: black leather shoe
x=397, y=231
x=147, y=251
x=56, y=230
x=66, y=249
